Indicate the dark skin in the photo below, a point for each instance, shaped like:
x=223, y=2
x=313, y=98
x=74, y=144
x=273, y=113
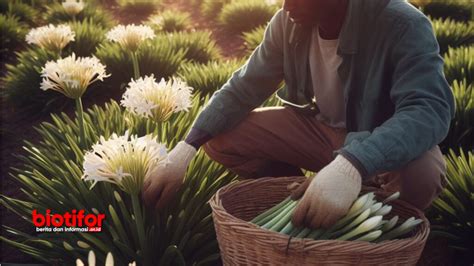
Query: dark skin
x=328, y=14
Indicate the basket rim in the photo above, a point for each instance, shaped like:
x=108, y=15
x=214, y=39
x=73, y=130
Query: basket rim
x=217, y=207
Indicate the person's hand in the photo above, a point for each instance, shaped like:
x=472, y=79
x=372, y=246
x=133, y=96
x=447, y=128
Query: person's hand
x=160, y=189
x=297, y=189
x=328, y=196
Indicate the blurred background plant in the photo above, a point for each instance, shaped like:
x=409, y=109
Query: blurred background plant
x=161, y=59
x=451, y=33
x=253, y=38
x=88, y=37
x=24, y=12
x=139, y=8
x=209, y=77
x=199, y=45
x=24, y=78
x=245, y=15
x=56, y=14
x=170, y=21
x=452, y=213
x=459, y=10
x=212, y=8
x=13, y=34
x=461, y=132
x=459, y=64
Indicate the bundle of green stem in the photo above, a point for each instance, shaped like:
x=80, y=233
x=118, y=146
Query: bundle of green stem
x=363, y=222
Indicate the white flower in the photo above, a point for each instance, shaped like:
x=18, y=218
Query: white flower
x=71, y=76
x=73, y=7
x=124, y=160
x=130, y=36
x=79, y=262
x=51, y=37
x=91, y=258
x=146, y=97
x=109, y=260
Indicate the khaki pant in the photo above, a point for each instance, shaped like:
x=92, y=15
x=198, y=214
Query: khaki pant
x=278, y=141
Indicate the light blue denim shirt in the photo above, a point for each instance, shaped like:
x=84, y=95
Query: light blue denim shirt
x=398, y=102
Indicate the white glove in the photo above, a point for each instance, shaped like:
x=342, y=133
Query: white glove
x=329, y=195
x=160, y=189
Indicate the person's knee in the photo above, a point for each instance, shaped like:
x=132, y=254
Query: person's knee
x=220, y=150
x=234, y=142
x=424, y=179
x=217, y=148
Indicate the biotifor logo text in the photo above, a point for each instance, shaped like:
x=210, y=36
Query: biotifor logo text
x=74, y=221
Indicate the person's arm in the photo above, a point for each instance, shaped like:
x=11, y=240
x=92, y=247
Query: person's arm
x=197, y=137
x=249, y=86
x=424, y=105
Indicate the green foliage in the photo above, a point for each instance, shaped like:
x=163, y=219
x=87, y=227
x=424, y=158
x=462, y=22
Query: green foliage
x=22, y=82
x=13, y=33
x=272, y=101
x=212, y=8
x=242, y=16
x=170, y=21
x=459, y=64
x=142, y=8
x=450, y=33
x=452, y=213
x=88, y=36
x=154, y=57
x=461, y=132
x=253, y=38
x=56, y=14
x=23, y=12
x=460, y=10
x=3, y=6
x=208, y=78
x=199, y=45
x=50, y=178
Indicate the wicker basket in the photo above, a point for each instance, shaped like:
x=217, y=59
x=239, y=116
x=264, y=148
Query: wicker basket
x=243, y=243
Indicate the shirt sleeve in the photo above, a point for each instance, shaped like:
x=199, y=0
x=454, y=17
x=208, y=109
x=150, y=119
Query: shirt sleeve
x=424, y=105
x=197, y=137
x=249, y=86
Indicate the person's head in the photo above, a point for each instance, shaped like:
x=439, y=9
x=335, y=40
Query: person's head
x=311, y=12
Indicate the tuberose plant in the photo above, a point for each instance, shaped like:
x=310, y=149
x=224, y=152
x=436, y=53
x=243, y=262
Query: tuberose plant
x=207, y=78
x=253, y=38
x=13, y=33
x=461, y=132
x=180, y=234
x=242, y=16
x=170, y=21
x=450, y=33
x=452, y=212
x=459, y=64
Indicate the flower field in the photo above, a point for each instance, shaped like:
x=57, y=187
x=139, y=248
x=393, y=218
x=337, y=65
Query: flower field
x=96, y=92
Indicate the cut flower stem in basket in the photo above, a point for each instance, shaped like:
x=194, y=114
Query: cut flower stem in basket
x=363, y=222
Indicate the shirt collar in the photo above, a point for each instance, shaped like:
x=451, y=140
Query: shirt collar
x=349, y=35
